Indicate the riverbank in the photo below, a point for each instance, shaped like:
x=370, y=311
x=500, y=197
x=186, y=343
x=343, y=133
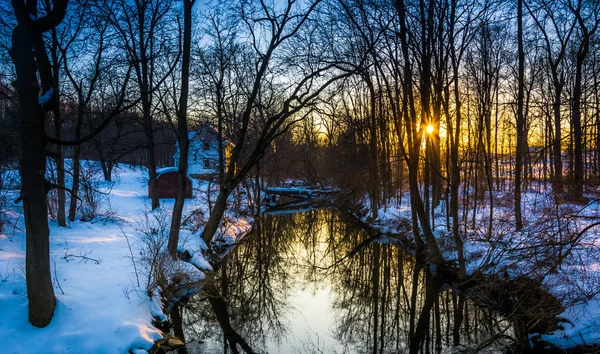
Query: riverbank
x=98, y=274
x=557, y=248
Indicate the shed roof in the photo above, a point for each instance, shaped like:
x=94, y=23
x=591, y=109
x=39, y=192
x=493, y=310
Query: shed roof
x=164, y=170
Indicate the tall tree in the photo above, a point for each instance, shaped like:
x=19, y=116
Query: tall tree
x=182, y=130
x=90, y=34
x=30, y=59
x=57, y=122
x=521, y=134
x=145, y=27
x=218, y=62
x=460, y=35
x=551, y=14
x=583, y=12
x=271, y=28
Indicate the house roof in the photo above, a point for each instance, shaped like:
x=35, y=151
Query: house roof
x=207, y=127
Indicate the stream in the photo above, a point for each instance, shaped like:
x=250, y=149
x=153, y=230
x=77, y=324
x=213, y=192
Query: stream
x=290, y=288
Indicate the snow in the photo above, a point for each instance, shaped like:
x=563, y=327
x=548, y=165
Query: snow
x=525, y=253
x=161, y=171
x=585, y=328
x=101, y=307
x=231, y=231
x=199, y=261
x=299, y=191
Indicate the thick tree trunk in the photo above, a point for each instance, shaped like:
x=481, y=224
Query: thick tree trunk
x=216, y=214
x=107, y=168
x=33, y=181
x=144, y=69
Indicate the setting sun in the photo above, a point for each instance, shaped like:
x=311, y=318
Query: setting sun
x=429, y=129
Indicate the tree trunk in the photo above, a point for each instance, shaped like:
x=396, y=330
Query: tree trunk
x=33, y=181
x=433, y=284
x=216, y=214
x=375, y=284
x=184, y=141
x=59, y=160
x=576, y=122
x=151, y=158
x=76, y=162
x=374, y=170
x=557, y=139
x=520, y=120
x=219, y=306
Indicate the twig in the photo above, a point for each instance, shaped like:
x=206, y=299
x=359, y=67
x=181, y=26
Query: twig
x=56, y=277
x=83, y=258
x=131, y=253
x=50, y=186
x=15, y=226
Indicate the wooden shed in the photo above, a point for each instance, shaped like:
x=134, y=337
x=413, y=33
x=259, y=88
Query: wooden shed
x=167, y=183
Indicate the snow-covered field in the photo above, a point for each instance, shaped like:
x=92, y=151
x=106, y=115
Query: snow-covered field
x=101, y=308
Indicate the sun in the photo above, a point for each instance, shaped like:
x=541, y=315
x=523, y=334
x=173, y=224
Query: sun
x=429, y=129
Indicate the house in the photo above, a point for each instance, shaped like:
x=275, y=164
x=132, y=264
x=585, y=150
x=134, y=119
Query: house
x=166, y=185
x=203, y=154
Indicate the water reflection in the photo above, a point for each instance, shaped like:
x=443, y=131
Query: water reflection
x=291, y=288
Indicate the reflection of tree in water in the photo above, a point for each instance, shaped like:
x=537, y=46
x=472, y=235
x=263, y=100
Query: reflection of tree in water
x=375, y=296
x=255, y=280
x=373, y=292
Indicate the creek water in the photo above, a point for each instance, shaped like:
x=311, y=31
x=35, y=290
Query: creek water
x=292, y=288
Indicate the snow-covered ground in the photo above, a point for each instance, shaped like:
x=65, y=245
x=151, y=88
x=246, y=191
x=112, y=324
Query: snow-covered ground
x=101, y=307
x=576, y=282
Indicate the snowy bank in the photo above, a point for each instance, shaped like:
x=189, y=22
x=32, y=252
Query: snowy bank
x=559, y=245
x=102, y=298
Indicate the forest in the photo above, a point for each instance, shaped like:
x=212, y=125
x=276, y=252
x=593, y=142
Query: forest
x=424, y=172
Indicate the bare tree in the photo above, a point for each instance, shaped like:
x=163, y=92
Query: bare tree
x=551, y=14
x=91, y=34
x=182, y=123
x=270, y=30
x=520, y=119
x=30, y=58
x=145, y=26
x=588, y=20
